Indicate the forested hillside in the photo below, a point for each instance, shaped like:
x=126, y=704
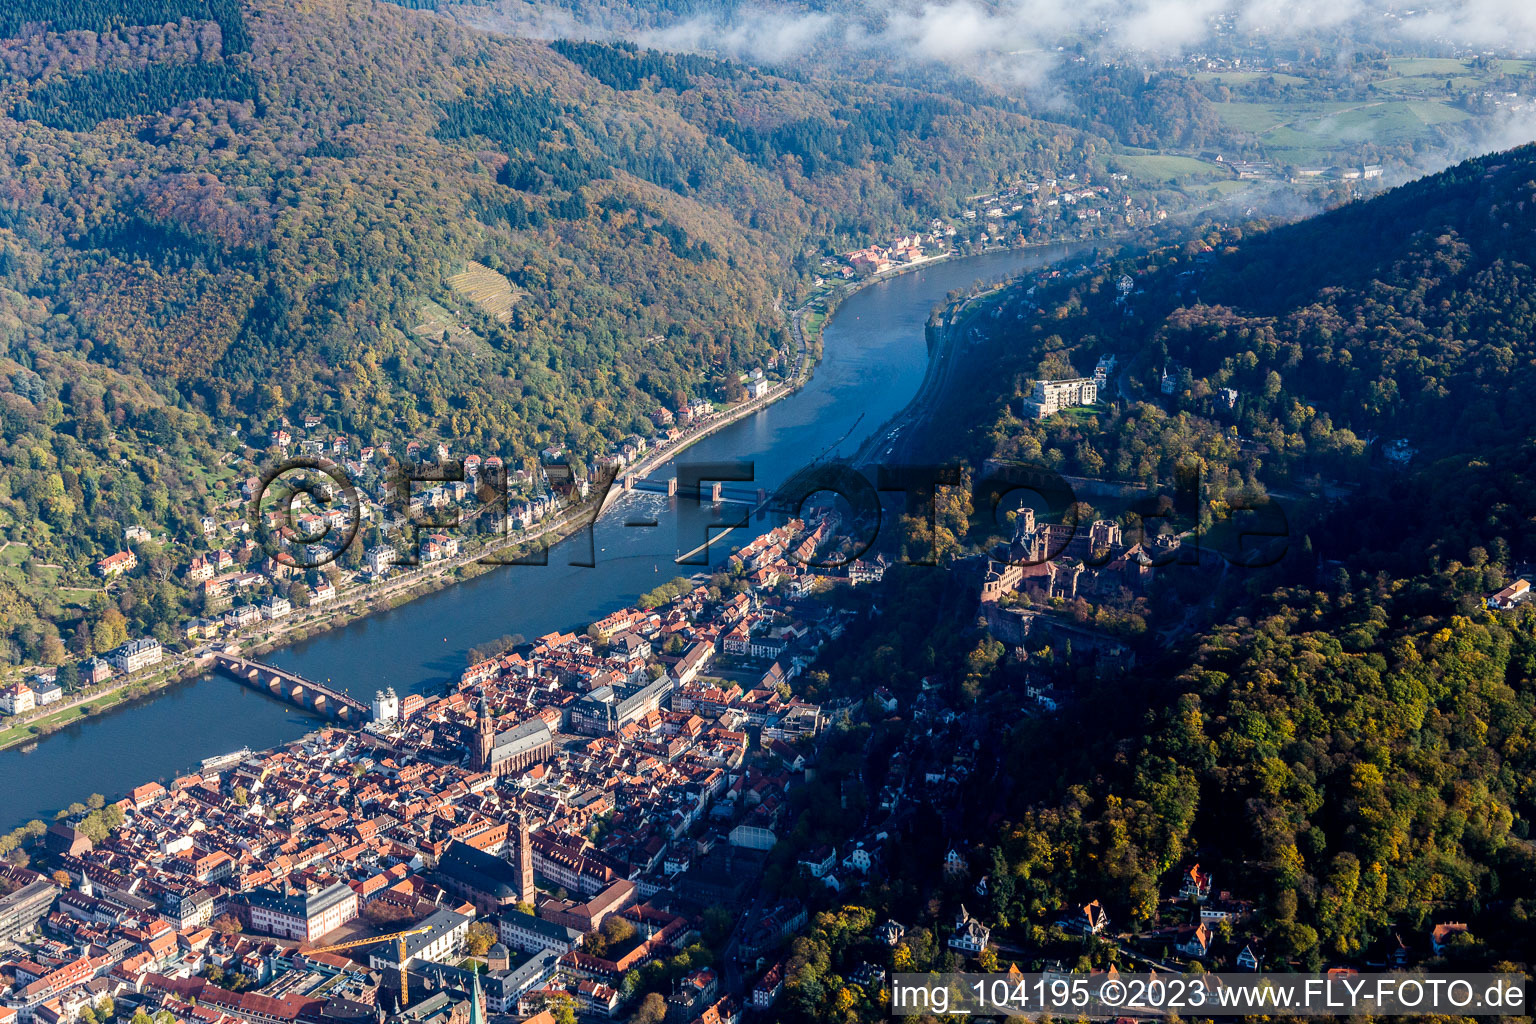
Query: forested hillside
x=217, y=216
x=1369, y=725
x=1406, y=317
x=1346, y=738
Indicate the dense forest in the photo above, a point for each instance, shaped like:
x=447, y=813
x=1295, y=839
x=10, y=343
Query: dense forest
x=626, y=66
x=1137, y=108
x=217, y=217
x=1347, y=738
x=83, y=101
x=109, y=15
x=1297, y=354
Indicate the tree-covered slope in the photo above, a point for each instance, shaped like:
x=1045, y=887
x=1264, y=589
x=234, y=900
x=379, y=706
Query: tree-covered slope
x=1298, y=352
x=1352, y=740
x=1345, y=739
x=217, y=216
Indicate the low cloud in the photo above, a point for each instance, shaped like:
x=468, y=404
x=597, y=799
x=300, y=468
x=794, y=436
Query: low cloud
x=1163, y=28
x=760, y=35
x=1018, y=44
x=974, y=32
x=1268, y=17
x=1503, y=129
x=1502, y=25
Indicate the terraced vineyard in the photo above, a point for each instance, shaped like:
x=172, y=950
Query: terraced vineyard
x=487, y=289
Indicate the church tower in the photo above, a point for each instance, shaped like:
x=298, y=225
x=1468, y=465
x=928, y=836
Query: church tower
x=523, y=859
x=476, y=1010
x=485, y=738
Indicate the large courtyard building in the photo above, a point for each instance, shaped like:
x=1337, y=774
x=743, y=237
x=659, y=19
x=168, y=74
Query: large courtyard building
x=301, y=915
x=1052, y=396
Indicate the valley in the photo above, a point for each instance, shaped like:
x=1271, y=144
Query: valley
x=1111, y=552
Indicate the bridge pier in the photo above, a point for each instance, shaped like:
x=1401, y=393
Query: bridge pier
x=295, y=689
x=716, y=491
x=672, y=487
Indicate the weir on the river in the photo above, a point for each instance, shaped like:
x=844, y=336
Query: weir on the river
x=719, y=492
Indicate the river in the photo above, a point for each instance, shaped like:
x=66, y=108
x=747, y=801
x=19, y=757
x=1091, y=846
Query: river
x=873, y=362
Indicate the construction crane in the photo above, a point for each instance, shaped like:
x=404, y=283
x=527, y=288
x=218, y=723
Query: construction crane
x=399, y=938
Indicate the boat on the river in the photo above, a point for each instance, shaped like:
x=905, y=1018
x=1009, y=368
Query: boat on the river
x=212, y=764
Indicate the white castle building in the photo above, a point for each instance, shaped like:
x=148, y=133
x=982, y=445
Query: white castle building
x=1052, y=396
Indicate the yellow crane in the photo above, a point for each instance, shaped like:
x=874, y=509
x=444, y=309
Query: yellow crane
x=399, y=938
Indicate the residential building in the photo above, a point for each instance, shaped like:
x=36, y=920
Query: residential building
x=1094, y=919
x=1196, y=884
x=819, y=861
x=971, y=936
x=137, y=654
x=1169, y=383
x=115, y=565
x=242, y=615
x=17, y=699
x=1441, y=934
x=766, y=992
x=381, y=557
x=438, y=546
x=1514, y=594
x=862, y=572
x=1195, y=940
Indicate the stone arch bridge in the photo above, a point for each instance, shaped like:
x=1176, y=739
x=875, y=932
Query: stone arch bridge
x=294, y=688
